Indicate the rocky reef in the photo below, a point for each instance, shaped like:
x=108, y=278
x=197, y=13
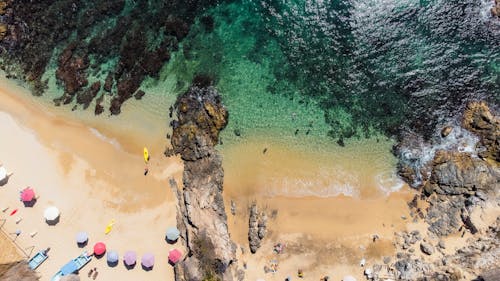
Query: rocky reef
x=117, y=43
x=201, y=213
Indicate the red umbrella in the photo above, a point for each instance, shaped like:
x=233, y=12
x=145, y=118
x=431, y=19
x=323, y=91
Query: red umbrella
x=13, y=212
x=27, y=195
x=174, y=256
x=99, y=248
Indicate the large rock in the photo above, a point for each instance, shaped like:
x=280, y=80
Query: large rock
x=457, y=173
x=479, y=120
x=202, y=217
x=257, y=228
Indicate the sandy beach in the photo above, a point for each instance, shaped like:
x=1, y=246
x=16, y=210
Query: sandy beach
x=91, y=181
x=94, y=173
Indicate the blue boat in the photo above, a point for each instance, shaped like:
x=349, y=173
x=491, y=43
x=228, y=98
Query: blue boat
x=73, y=266
x=38, y=259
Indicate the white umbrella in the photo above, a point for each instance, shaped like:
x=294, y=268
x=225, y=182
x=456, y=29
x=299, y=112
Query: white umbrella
x=348, y=278
x=3, y=173
x=51, y=213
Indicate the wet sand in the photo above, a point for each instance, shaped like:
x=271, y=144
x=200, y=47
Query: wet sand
x=326, y=234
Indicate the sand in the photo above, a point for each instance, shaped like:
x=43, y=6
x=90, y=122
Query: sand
x=91, y=181
x=93, y=172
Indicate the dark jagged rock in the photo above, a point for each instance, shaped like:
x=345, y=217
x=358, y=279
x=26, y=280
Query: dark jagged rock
x=201, y=212
x=104, y=31
x=71, y=70
x=86, y=97
x=108, y=84
x=139, y=94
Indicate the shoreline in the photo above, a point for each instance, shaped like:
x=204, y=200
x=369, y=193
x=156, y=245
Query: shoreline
x=74, y=141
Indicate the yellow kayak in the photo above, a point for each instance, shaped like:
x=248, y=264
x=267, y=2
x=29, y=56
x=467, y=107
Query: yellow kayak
x=146, y=155
x=109, y=226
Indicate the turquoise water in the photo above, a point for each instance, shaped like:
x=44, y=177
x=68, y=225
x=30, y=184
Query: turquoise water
x=346, y=68
x=314, y=74
x=331, y=69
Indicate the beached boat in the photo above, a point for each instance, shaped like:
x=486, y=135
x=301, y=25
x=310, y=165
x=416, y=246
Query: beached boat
x=73, y=266
x=38, y=259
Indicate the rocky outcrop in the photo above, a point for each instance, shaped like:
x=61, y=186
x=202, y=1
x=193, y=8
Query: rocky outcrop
x=479, y=120
x=202, y=217
x=495, y=10
x=480, y=254
x=455, y=180
x=257, y=228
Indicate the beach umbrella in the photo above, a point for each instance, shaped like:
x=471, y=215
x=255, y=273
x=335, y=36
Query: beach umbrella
x=174, y=256
x=348, y=278
x=51, y=213
x=27, y=195
x=3, y=173
x=172, y=233
x=81, y=237
x=112, y=256
x=130, y=257
x=99, y=248
x=148, y=260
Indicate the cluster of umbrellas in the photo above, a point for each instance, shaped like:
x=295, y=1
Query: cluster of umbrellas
x=130, y=257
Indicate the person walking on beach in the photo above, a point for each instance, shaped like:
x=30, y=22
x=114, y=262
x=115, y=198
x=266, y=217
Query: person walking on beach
x=146, y=171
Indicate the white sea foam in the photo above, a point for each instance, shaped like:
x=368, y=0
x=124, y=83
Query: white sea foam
x=421, y=153
x=112, y=141
x=389, y=182
x=318, y=185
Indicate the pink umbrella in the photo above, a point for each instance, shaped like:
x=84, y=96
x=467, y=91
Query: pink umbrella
x=129, y=258
x=99, y=248
x=27, y=195
x=174, y=256
x=148, y=260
